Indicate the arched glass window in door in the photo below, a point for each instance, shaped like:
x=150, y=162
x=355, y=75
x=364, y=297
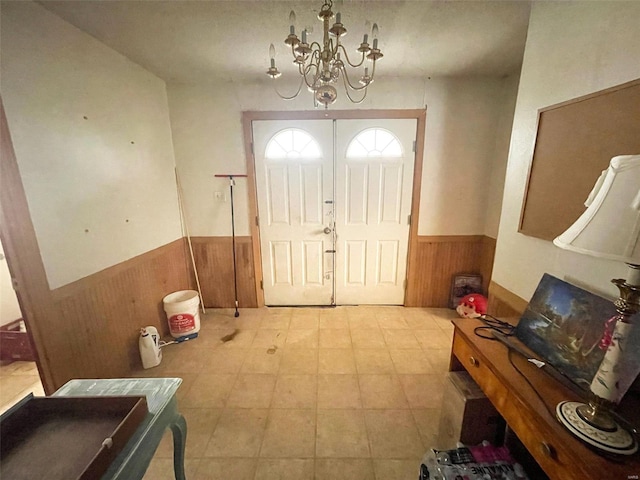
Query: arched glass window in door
x=374, y=142
x=292, y=143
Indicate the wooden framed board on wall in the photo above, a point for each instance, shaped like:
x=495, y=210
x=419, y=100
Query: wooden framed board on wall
x=575, y=142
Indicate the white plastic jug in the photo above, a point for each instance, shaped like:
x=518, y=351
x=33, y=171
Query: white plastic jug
x=149, y=344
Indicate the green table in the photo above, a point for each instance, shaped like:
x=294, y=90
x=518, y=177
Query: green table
x=133, y=461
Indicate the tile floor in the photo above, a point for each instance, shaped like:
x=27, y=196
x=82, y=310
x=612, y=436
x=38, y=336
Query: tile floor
x=301, y=393
x=17, y=380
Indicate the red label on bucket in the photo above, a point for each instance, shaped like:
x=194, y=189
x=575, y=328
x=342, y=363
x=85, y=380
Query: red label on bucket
x=183, y=322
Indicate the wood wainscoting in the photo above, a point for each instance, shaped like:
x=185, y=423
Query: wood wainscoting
x=100, y=316
x=214, y=261
x=439, y=258
x=503, y=303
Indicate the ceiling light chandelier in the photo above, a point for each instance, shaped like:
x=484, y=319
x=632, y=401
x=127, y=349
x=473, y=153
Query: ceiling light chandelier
x=321, y=65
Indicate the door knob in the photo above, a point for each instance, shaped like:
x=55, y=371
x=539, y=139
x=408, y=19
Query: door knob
x=327, y=230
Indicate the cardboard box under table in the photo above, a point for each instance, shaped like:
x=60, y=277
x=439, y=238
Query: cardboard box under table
x=467, y=415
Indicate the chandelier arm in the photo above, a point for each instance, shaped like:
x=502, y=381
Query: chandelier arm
x=306, y=68
x=346, y=91
x=346, y=56
x=315, y=76
x=285, y=97
x=347, y=82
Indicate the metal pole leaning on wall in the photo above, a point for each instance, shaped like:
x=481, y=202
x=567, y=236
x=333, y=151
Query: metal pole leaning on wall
x=183, y=220
x=233, y=238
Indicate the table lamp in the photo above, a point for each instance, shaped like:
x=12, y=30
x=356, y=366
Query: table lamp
x=610, y=229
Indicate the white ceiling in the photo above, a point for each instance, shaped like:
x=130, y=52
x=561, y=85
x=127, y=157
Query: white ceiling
x=199, y=41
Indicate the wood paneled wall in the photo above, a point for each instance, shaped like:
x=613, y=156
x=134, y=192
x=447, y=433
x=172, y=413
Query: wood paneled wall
x=503, y=303
x=214, y=261
x=438, y=259
x=100, y=316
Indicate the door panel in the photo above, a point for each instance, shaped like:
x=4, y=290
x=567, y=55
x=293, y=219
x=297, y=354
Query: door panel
x=292, y=194
x=373, y=203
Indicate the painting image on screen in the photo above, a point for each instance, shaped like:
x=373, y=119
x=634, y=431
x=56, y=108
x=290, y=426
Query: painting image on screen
x=564, y=324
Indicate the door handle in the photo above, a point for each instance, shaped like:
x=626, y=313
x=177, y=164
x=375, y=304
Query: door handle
x=327, y=230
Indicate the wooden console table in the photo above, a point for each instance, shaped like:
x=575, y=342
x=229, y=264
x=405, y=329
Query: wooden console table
x=558, y=452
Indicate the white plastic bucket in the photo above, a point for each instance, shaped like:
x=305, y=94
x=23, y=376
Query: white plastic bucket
x=182, y=312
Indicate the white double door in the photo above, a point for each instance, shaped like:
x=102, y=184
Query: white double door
x=334, y=214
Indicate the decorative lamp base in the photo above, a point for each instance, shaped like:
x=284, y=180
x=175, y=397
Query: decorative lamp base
x=615, y=440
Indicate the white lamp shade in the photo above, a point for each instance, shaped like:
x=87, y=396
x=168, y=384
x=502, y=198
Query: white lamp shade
x=610, y=226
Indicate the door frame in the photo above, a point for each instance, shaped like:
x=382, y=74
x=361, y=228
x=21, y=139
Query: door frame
x=248, y=117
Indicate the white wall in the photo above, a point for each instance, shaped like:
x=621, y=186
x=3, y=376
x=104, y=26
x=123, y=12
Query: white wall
x=465, y=117
x=92, y=137
x=573, y=48
x=9, y=307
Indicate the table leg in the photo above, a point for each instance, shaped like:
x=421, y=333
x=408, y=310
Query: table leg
x=179, y=429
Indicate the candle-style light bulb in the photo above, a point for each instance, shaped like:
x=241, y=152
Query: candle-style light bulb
x=272, y=55
x=338, y=17
x=374, y=34
x=304, y=36
x=367, y=27
x=292, y=22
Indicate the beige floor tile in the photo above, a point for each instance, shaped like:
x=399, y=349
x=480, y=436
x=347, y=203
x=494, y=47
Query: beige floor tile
x=261, y=360
x=295, y=391
x=241, y=338
x=368, y=338
x=344, y=469
x=305, y=318
x=285, y=469
x=336, y=360
x=391, y=319
x=290, y=433
x=252, y=390
x=333, y=318
x=269, y=337
x=335, y=338
x=226, y=469
x=200, y=424
x=338, y=391
x=302, y=338
x=363, y=322
x=373, y=360
x=398, y=338
x=382, y=391
x=228, y=360
x=420, y=319
x=393, y=434
x=432, y=339
x=428, y=423
x=423, y=390
x=239, y=433
x=439, y=358
x=248, y=320
x=396, y=469
x=208, y=391
x=162, y=469
x=188, y=379
x=276, y=321
x=299, y=360
x=189, y=360
x=342, y=434
x=411, y=361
